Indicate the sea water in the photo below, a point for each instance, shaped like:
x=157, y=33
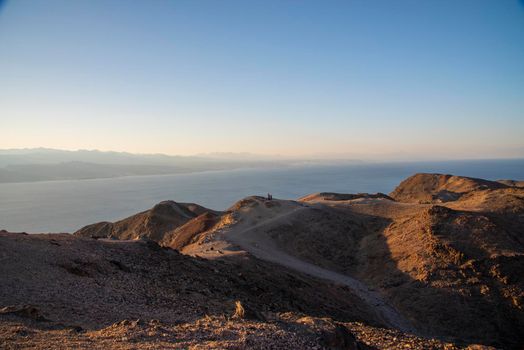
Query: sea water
x=65, y=206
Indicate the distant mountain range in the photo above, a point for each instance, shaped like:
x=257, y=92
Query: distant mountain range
x=54, y=156
x=44, y=164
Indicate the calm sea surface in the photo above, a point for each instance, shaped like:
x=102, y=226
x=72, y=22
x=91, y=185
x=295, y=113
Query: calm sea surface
x=65, y=206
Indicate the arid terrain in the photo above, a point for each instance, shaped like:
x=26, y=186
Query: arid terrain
x=436, y=264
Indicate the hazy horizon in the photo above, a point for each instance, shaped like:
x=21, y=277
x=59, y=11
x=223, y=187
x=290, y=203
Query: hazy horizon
x=518, y=153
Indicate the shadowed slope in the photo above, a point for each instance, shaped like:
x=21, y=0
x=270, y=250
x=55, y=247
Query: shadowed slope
x=190, y=232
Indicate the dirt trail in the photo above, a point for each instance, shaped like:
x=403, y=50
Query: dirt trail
x=254, y=240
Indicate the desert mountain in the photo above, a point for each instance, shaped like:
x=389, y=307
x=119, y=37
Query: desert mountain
x=154, y=224
x=439, y=188
x=330, y=196
x=41, y=164
x=441, y=258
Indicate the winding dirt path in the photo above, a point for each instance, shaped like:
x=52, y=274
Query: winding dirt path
x=254, y=240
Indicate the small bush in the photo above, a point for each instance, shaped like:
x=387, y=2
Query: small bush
x=239, y=310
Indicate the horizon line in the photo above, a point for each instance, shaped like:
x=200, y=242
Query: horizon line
x=382, y=157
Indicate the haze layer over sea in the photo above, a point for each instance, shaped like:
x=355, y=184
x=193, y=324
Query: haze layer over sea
x=65, y=206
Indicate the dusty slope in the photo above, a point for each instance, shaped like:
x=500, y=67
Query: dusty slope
x=90, y=278
x=83, y=293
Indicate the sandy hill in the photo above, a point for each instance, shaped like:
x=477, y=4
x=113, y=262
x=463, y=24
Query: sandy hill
x=153, y=224
x=439, y=188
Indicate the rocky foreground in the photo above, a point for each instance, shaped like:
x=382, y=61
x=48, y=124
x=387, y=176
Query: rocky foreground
x=436, y=264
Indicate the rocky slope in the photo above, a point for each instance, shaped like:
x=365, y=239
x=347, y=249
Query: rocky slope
x=82, y=293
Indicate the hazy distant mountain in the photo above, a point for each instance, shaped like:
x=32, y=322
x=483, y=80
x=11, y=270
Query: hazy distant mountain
x=240, y=156
x=41, y=164
x=51, y=156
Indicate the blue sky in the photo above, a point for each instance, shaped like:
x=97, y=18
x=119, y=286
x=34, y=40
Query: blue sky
x=368, y=78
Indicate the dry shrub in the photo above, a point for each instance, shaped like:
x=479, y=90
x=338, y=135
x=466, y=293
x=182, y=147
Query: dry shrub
x=239, y=310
